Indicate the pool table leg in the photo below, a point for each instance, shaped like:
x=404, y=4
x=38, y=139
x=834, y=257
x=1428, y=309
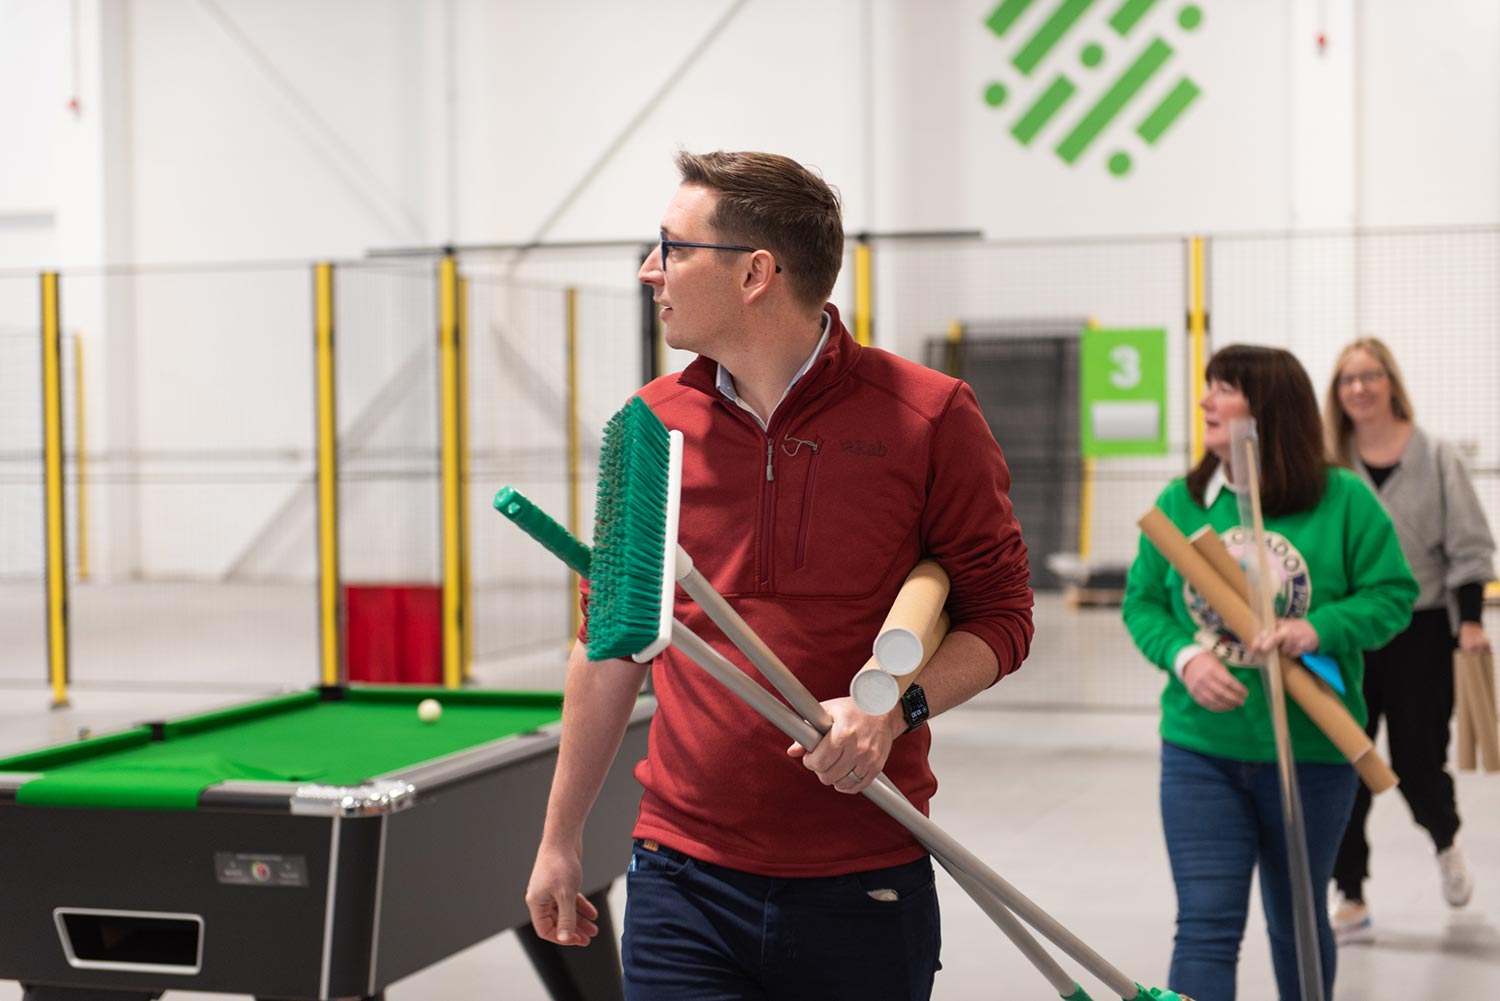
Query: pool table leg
x=573, y=974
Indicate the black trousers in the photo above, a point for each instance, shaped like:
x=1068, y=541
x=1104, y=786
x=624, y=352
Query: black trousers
x=1410, y=684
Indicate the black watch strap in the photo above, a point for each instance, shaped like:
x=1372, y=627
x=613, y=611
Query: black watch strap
x=914, y=707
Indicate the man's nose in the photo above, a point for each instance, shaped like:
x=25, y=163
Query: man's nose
x=651, y=273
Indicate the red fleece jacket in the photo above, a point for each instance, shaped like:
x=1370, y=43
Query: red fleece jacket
x=808, y=529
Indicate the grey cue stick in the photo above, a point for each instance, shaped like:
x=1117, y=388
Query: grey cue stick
x=883, y=794
x=938, y=841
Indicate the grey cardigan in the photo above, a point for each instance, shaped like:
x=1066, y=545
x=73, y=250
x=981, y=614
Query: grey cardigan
x=1438, y=519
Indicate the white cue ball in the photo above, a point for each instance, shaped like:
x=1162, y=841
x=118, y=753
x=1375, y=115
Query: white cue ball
x=428, y=710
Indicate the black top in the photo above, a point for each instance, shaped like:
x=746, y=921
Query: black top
x=1381, y=473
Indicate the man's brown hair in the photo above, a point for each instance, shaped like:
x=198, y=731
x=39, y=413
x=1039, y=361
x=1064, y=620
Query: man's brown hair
x=1293, y=471
x=773, y=202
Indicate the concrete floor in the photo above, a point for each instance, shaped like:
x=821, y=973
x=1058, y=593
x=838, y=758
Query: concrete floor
x=1059, y=798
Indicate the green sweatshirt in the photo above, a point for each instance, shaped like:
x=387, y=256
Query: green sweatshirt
x=1338, y=565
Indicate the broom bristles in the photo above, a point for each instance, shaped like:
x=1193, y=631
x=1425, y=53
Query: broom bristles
x=630, y=527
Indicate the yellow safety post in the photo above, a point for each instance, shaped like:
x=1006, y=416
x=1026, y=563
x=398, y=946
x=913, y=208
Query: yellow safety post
x=955, y=338
x=1198, y=337
x=330, y=611
x=453, y=611
x=863, y=293
x=466, y=587
x=80, y=460
x=56, y=524
x=1086, y=492
x=575, y=486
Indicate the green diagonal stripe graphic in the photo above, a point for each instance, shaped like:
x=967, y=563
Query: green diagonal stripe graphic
x=1105, y=109
x=1041, y=112
x=1049, y=34
x=1165, y=113
x=1128, y=14
x=1003, y=16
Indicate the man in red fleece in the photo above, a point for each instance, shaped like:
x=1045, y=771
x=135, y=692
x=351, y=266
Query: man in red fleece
x=816, y=473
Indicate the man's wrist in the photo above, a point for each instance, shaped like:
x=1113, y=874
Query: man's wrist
x=895, y=721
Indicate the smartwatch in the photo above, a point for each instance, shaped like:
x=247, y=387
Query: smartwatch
x=914, y=707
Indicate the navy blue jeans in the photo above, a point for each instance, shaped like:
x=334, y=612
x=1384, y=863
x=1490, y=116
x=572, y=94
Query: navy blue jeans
x=1222, y=820
x=700, y=932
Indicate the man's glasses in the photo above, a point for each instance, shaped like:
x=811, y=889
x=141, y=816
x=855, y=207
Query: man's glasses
x=1366, y=378
x=667, y=245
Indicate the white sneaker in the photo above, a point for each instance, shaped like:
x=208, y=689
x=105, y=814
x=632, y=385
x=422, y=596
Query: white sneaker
x=1351, y=921
x=1458, y=881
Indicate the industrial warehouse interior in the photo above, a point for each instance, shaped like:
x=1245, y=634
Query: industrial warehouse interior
x=290, y=291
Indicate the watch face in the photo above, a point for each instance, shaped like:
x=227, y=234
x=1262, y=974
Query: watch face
x=914, y=707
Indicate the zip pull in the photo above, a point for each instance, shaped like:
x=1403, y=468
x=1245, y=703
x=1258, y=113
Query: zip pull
x=770, y=451
x=792, y=452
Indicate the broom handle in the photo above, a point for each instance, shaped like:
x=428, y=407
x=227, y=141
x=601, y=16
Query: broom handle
x=1304, y=920
x=992, y=893
x=881, y=792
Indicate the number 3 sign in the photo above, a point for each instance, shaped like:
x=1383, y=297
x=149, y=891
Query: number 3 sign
x=1123, y=393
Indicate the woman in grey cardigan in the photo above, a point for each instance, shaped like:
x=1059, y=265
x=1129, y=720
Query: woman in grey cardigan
x=1426, y=489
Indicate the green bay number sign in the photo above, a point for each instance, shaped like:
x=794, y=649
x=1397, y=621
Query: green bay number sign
x=1123, y=393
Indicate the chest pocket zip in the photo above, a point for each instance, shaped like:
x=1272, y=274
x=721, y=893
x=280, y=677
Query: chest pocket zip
x=791, y=447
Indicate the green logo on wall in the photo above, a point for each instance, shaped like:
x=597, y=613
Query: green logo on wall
x=1143, y=64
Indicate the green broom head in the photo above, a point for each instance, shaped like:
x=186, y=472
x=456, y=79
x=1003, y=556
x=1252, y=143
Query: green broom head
x=1079, y=994
x=536, y=523
x=635, y=536
x=1157, y=994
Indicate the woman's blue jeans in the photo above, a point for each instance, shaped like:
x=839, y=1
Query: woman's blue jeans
x=1222, y=819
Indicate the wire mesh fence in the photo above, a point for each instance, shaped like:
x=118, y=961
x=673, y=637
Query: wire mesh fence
x=1005, y=314
x=196, y=402
x=192, y=503
x=1433, y=296
x=22, y=552
x=547, y=368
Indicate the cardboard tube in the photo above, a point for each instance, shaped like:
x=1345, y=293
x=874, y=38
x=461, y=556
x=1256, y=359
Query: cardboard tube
x=1207, y=542
x=1489, y=740
x=912, y=630
x=1474, y=671
x=899, y=645
x=930, y=643
x=1321, y=705
x=873, y=690
x=876, y=691
x=1464, y=712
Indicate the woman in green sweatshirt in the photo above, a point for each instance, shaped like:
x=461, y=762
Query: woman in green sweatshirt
x=1342, y=586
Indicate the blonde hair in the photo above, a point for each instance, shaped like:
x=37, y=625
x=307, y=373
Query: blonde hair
x=1337, y=427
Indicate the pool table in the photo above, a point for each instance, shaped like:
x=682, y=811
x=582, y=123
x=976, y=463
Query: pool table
x=321, y=844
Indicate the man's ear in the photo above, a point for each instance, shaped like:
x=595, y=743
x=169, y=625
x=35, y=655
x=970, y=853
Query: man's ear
x=758, y=276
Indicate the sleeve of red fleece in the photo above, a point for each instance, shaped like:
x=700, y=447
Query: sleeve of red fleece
x=970, y=528
x=583, y=610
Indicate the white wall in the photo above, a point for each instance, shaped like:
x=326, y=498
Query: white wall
x=278, y=128
x=1429, y=85
x=244, y=130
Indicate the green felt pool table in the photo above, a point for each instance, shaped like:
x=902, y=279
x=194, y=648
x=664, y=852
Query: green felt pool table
x=322, y=844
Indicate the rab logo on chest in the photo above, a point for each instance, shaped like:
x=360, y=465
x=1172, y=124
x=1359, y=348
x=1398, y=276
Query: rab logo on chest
x=872, y=448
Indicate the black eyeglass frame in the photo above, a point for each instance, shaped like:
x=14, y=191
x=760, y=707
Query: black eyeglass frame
x=667, y=244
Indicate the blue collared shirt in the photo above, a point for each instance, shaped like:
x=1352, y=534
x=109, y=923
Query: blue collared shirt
x=726, y=381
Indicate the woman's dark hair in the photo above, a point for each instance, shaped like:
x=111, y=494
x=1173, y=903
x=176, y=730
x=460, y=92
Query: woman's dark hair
x=1293, y=469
